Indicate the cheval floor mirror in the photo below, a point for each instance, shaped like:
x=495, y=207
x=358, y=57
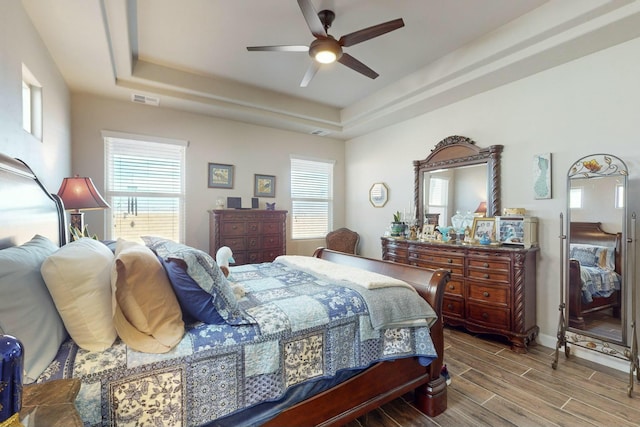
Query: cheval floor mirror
x=597, y=273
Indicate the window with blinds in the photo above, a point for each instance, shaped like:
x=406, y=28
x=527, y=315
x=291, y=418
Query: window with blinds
x=311, y=198
x=145, y=188
x=439, y=198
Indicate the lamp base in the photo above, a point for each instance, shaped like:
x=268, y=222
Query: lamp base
x=77, y=220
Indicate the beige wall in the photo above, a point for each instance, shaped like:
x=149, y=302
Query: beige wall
x=251, y=149
x=586, y=106
x=21, y=44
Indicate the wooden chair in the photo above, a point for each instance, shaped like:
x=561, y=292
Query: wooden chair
x=343, y=240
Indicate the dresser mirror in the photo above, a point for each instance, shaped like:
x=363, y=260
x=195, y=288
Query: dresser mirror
x=470, y=174
x=598, y=260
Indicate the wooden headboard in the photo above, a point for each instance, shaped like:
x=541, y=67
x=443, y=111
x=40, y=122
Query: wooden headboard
x=26, y=206
x=591, y=233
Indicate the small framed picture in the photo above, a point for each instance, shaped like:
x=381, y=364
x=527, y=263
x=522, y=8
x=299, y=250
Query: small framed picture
x=220, y=176
x=378, y=194
x=428, y=230
x=484, y=227
x=511, y=230
x=264, y=186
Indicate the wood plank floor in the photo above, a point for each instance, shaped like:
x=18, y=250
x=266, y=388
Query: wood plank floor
x=493, y=386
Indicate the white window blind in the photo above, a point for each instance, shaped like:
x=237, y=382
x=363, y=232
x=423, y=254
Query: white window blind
x=439, y=198
x=311, y=198
x=145, y=188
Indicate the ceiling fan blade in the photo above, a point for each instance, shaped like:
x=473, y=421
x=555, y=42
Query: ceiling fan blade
x=356, y=65
x=311, y=16
x=311, y=71
x=370, y=32
x=291, y=48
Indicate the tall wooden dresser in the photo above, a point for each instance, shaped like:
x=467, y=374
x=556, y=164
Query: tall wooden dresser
x=492, y=289
x=253, y=235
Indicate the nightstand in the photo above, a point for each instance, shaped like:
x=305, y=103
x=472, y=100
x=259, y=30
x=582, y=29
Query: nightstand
x=51, y=404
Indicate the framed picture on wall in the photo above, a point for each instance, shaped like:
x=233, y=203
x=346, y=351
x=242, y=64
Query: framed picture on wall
x=264, y=185
x=220, y=175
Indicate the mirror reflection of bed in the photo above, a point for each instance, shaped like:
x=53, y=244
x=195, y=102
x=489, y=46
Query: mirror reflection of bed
x=595, y=279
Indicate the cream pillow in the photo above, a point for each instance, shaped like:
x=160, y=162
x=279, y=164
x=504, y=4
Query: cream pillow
x=147, y=314
x=78, y=276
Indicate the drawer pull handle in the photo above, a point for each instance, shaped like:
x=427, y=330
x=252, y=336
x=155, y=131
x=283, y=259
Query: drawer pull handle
x=450, y=306
x=235, y=227
x=486, y=276
x=452, y=287
x=449, y=260
x=486, y=265
x=485, y=316
x=450, y=271
x=485, y=294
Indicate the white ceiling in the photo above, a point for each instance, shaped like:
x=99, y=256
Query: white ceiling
x=191, y=54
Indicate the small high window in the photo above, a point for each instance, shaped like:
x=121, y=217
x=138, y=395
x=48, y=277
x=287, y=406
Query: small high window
x=31, y=104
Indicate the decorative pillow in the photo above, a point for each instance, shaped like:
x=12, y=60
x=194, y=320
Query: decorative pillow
x=78, y=276
x=196, y=303
x=147, y=313
x=26, y=309
x=593, y=255
x=206, y=273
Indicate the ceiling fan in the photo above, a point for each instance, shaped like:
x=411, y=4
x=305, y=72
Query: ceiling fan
x=325, y=49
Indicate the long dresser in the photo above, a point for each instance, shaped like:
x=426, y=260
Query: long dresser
x=492, y=288
x=253, y=235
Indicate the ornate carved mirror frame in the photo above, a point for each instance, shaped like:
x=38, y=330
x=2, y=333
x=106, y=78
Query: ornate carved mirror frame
x=457, y=151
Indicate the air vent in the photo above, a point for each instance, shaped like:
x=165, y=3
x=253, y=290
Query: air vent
x=320, y=132
x=144, y=99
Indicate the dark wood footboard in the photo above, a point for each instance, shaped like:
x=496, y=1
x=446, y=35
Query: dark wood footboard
x=384, y=381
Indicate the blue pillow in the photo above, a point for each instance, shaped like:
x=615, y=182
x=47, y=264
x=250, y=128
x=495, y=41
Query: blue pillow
x=195, y=302
x=205, y=272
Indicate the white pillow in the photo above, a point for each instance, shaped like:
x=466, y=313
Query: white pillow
x=78, y=277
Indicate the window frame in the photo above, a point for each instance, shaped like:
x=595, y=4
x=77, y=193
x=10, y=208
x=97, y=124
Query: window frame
x=110, y=193
x=329, y=165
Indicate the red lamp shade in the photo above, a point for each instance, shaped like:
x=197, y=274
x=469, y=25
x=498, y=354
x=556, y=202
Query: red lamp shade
x=80, y=193
x=481, y=210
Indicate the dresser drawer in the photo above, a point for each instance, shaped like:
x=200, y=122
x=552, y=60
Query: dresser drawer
x=268, y=256
x=498, y=295
x=271, y=241
x=440, y=257
x=394, y=251
x=453, y=307
x=489, y=315
x=253, y=242
x=488, y=263
x=486, y=274
x=235, y=243
x=454, y=287
x=270, y=227
x=233, y=228
x=253, y=257
x=451, y=264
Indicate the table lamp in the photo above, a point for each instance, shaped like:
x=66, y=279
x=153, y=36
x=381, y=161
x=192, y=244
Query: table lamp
x=79, y=193
x=481, y=210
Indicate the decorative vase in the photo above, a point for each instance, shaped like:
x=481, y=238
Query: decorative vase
x=397, y=229
x=456, y=221
x=11, y=366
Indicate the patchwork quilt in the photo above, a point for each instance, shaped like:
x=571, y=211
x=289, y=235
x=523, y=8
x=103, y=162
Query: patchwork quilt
x=304, y=328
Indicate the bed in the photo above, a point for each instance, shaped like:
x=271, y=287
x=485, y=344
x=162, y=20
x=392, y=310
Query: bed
x=195, y=381
x=595, y=266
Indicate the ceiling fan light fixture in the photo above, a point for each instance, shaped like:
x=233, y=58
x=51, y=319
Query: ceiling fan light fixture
x=325, y=57
x=325, y=51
